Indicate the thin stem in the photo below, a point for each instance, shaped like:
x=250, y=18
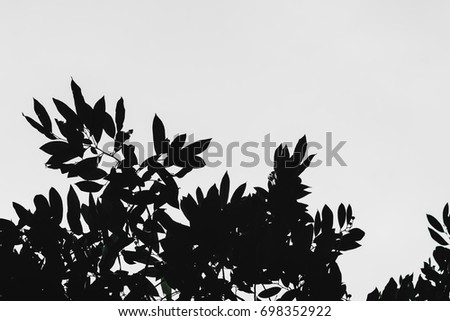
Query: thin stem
x=105, y=153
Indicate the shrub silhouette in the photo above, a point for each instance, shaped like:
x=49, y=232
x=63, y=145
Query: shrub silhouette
x=123, y=243
x=434, y=282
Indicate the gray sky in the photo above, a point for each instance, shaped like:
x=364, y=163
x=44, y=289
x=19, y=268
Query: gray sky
x=374, y=73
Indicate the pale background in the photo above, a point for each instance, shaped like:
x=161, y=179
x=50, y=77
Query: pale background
x=374, y=73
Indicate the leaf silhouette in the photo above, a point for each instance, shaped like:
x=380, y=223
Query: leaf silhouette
x=299, y=151
x=73, y=212
x=439, y=239
x=374, y=295
x=93, y=175
x=98, y=121
x=108, y=125
x=24, y=215
x=69, y=115
x=120, y=114
x=289, y=295
x=90, y=214
x=349, y=214
x=200, y=196
x=159, y=134
x=435, y=223
x=224, y=189
x=56, y=205
x=446, y=217
x=43, y=116
x=54, y=148
x=198, y=146
x=39, y=127
x=237, y=195
x=178, y=141
x=84, y=111
x=226, y=246
x=327, y=218
x=341, y=215
x=317, y=223
x=390, y=291
x=269, y=292
x=356, y=234
x=89, y=187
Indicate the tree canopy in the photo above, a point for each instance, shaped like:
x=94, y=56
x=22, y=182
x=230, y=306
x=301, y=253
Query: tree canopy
x=123, y=243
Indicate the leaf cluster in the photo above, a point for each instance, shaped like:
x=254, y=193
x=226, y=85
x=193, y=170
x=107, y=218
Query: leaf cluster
x=433, y=284
x=124, y=243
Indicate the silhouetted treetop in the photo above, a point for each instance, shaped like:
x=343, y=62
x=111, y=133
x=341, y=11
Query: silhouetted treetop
x=124, y=243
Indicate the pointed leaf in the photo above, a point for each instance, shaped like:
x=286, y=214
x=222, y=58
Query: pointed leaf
x=341, y=215
x=54, y=148
x=300, y=151
x=390, y=291
x=269, y=292
x=224, y=190
x=435, y=223
x=120, y=114
x=172, y=187
x=39, y=127
x=289, y=295
x=57, y=160
x=24, y=215
x=317, y=223
x=198, y=146
x=261, y=192
x=73, y=212
x=237, y=195
x=56, y=205
x=327, y=218
x=69, y=115
x=108, y=125
x=84, y=111
x=446, y=217
x=349, y=214
x=200, y=196
x=178, y=141
x=356, y=234
x=439, y=239
x=43, y=116
x=374, y=295
x=188, y=207
x=278, y=157
x=159, y=134
x=89, y=187
x=99, y=116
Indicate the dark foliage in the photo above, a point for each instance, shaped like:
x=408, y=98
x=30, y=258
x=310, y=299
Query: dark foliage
x=434, y=282
x=124, y=243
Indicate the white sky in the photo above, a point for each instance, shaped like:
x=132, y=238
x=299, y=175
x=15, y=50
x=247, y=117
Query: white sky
x=374, y=73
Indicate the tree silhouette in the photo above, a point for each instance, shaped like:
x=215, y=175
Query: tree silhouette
x=434, y=282
x=124, y=244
